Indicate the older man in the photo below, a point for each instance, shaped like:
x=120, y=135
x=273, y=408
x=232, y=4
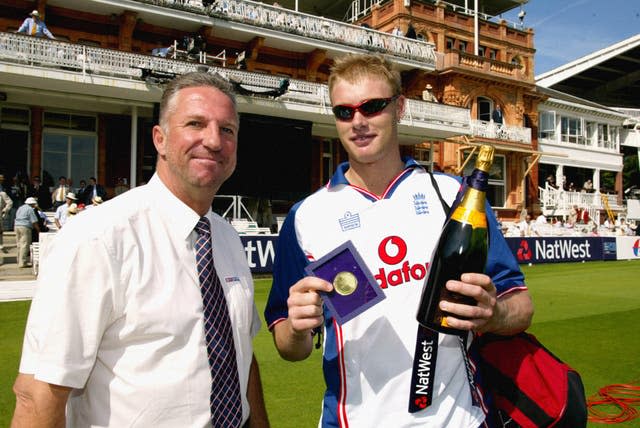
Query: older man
x=24, y=223
x=162, y=336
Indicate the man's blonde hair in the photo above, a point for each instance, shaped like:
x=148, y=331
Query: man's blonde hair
x=354, y=67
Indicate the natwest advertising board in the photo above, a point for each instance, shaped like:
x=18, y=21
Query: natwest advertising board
x=628, y=247
x=562, y=249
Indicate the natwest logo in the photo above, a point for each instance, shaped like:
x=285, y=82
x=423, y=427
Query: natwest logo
x=393, y=252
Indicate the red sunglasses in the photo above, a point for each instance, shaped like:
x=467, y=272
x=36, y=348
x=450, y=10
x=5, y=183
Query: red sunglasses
x=367, y=108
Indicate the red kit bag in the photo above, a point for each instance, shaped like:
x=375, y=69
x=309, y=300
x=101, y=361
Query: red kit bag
x=531, y=387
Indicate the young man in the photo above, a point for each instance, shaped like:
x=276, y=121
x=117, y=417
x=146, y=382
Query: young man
x=369, y=361
x=144, y=314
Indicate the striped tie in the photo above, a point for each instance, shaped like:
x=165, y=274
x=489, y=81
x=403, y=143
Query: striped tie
x=226, y=405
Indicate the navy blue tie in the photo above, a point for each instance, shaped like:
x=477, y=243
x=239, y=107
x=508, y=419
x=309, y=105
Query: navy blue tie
x=226, y=404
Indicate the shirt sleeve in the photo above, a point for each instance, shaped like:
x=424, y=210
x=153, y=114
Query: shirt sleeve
x=288, y=268
x=71, y=310
x=501, y=265
x=24, y=27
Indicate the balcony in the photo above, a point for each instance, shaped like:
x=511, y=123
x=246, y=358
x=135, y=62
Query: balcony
x=503, y=132
x=41, y=67
x=557, y=202
x=485, y=66
x=261, y=20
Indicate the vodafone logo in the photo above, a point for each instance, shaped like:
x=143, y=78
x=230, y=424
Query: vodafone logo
x=524, y=252
x=392, y=251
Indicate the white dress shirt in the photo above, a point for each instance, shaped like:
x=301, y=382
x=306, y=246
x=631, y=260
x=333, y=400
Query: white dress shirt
x=118, y=315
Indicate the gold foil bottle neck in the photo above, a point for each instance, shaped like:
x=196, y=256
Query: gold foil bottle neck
x=485, y=158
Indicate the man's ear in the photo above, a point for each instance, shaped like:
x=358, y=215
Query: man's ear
x=401, y=103
x=159, y=140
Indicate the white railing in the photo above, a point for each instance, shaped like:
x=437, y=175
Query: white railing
x=422, y=111
x=289, y=21
x=562, y=201
x=51, y=53
x=496, y=131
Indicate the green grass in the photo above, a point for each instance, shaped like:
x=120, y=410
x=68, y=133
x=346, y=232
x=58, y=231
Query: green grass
x=587, y=314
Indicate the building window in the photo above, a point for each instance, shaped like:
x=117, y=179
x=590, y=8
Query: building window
x=482, y=51
x=69, y=155
x=485, y=107
x=571, y=130
x=14, y=116
x=69, y=145
x=590, y=133
x=493, y=54
x=422, y=155
x=450, y=43
x=605, y=139
x=462, y=46
x=497, y=182
x=69, y=121
x=547, y=125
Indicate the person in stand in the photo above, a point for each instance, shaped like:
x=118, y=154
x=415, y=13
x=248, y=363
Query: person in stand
x=368, y=361
x=94, y=189
x=62, y=212
x=42, y=223
x=163, y=336
x=59, y=194
x=121, y=186
x=427, y=94
x=40, y=192
x=6, y=203
x=497, y=116
x=34, y=26
x=25, y=221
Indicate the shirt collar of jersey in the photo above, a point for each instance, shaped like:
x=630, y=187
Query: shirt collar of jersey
x=339, y=178
x=174, y=212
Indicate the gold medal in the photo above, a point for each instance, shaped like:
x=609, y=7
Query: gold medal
x=345, y=283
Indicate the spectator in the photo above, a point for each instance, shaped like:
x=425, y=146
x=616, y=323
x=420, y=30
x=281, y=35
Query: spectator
x=411, y=32
x=427, y=95
x=551, y=181
x=42, y=224
x=40, y=192
x=25, y=221
x=58, y=196
x=81, y=191
x=6, y=203
x=496, y=116
x=62, y=212
x=34, y=26
x=121, y=186
x=94, y=189
x=397, y=31
x=588, y=186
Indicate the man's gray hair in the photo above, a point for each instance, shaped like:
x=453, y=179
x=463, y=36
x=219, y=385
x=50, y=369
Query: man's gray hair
x=193, y=80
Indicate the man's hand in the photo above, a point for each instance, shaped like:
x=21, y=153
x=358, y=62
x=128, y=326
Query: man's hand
x=292, y=336
x=509, y=314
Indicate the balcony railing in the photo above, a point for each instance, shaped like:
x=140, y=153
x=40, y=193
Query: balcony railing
x=289, y=21
x=562, y=201
x=496, y=131
x=37, y=52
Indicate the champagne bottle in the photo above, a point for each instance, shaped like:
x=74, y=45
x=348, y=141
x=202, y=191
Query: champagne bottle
x=462, y=248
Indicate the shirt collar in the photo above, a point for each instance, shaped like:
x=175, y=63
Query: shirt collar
x=172, y=211
x=339, y=176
